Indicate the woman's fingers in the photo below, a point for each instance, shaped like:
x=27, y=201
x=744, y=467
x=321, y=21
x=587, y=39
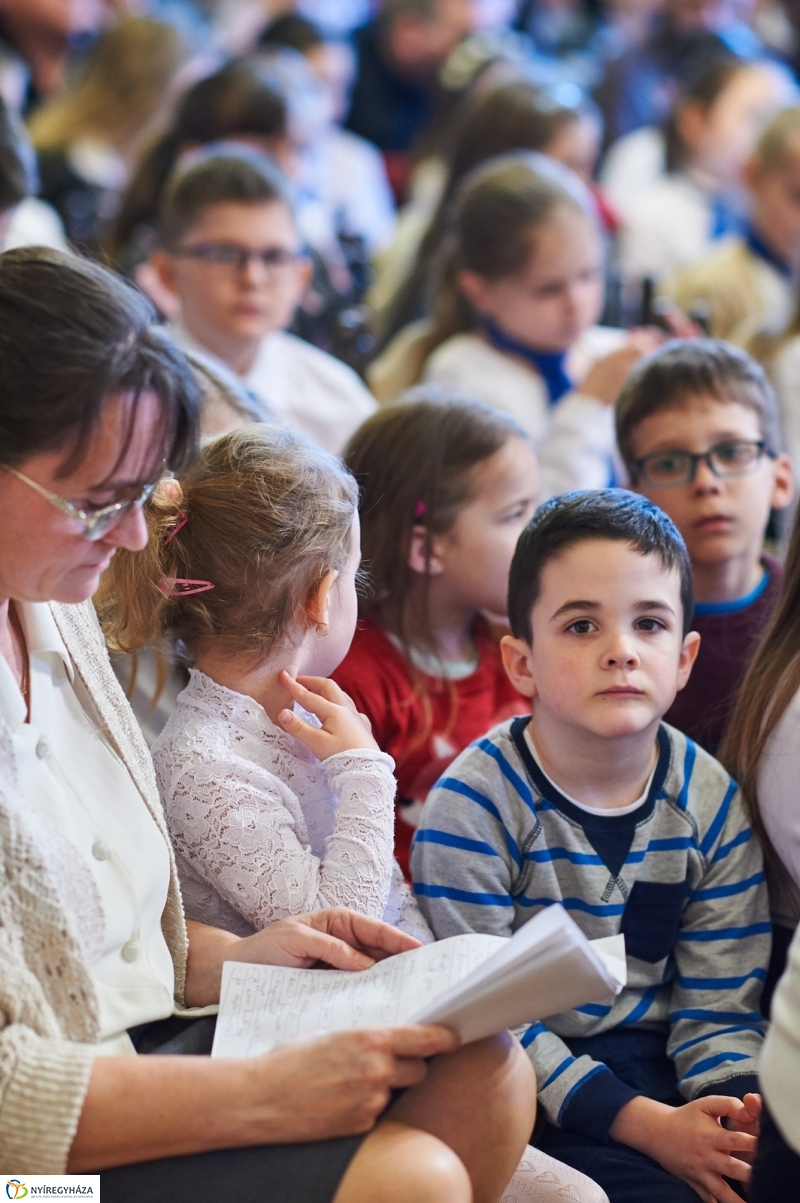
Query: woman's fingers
x=372, y=936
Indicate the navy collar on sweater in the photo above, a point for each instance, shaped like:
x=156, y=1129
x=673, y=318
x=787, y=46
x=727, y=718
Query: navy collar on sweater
x=757, y=245
x=549, y=365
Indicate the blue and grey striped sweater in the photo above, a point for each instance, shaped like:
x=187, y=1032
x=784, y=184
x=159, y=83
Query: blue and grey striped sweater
x=681, y=876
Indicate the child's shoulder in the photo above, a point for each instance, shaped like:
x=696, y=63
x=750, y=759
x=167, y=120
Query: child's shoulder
x=303, y=358
x=696, y=782
x=493, y=761
x=468, y=354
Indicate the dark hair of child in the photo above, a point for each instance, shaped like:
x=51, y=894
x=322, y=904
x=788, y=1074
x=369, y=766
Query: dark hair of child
x=413, y=463
x=17, y=162
x=698, y=367
x=215, y=175
x=703, y=88
x=769, y=684
x=514, y=116
x=245, y=98
x=492, y=230
x=293, y=32
x=572, y=518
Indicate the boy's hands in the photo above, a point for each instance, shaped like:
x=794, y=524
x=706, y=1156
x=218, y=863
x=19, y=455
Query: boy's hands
x=343, y=728
x=691, y=1142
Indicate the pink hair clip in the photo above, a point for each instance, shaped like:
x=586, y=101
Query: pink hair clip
x=420, y=510
x=181, y=586
x=183, y=518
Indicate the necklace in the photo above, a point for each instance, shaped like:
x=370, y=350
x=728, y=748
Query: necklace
x=23, y=647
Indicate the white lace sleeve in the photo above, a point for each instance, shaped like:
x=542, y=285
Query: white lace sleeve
x=243, y=832
x=402, y=910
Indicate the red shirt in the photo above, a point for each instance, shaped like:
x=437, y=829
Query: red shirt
x=424, y=733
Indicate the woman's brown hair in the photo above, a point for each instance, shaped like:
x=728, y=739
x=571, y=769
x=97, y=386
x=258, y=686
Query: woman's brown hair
x=492, y=230
x=771, y=681
x=262, y=517
x=514, y=116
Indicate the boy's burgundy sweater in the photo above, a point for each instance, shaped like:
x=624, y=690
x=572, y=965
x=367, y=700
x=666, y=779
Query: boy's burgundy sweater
x=729, y=631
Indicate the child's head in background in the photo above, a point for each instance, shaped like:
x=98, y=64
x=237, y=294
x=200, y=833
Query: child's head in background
x=17, y=168
x=524, y=252
x=446, y=486
x=230, y=251
x=717, y=119
x=600, y=606
x=252, y=558
x=698, y=431
x=773, y=179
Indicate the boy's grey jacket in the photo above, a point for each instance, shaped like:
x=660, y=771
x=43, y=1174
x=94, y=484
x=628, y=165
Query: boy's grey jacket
x=682, y=877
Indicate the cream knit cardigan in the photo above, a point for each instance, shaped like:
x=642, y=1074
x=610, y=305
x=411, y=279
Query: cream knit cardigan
x=48, y=1008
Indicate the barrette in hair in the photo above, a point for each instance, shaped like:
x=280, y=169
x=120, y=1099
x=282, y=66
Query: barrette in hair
x=182, y=586
x=183, y=518
x=420, y=510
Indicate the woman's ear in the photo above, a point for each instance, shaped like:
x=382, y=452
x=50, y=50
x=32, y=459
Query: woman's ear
x=318, y=606
x=516, y=655
x=416, y=554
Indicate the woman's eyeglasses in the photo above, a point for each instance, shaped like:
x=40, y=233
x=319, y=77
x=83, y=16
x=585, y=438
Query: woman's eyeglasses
x=273, y=259
x=668, y=469
x=96, y=523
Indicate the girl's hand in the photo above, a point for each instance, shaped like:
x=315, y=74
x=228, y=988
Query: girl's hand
x=691, y=1142
x=605, y=379
x=337, y=1085
x=343, y=728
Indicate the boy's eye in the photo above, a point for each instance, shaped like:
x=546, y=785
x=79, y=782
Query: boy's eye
x=581, y=626
x=649, y=624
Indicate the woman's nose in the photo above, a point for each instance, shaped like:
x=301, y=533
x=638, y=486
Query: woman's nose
x=130, y=532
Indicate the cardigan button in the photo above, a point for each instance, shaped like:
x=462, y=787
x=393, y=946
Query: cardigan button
x=42, y=748
x=101, y=851
x=131, y=951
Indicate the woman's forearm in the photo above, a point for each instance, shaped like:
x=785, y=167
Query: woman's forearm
x=209, y=947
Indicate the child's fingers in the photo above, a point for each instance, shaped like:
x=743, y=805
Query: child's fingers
x=314, y=703
x=328, y=689
x=312, y=737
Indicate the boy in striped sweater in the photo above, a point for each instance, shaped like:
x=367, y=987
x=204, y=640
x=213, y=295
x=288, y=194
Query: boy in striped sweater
x=595, y=803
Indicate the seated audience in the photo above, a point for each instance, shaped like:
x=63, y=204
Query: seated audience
x=560, y=121
x=232, y=257
x=761, y=749
x=270, y=814
x=89, y=138
x=17, y=170
x=780, y=355
x=94, y=939
x=595, y=803
x=520, y=288
x=446, y=485
x=711, y=134
x=745, y=285
x=698, y=430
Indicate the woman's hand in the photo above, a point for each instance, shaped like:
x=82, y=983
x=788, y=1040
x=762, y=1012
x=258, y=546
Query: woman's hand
x=335, y=937
x=343, y=728
x=691, y=1142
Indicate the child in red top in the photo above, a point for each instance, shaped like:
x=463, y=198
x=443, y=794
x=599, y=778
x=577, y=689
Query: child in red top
x=447, y=485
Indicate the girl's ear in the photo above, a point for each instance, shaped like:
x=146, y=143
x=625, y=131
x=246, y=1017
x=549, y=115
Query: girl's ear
x=517, y=662
x=318, y=606
x=416, y=555
x=477, y=289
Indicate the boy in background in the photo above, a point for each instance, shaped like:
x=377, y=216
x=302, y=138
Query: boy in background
x=698, y=431
x=593, y=802
x=231, y=255
x=748, y=282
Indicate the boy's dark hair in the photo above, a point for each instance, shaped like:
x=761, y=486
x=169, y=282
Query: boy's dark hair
x=292, y=31
x=215, y=175
x=17, y=162
x=596, y=514
x=687, y=368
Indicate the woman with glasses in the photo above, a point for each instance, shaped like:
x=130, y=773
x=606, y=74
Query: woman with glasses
x=96, y=960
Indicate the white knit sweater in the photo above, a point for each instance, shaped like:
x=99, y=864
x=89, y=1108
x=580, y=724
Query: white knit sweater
x=48, y=1009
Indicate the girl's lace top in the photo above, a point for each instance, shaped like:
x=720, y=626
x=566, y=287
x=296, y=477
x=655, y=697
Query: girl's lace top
x=263, y=830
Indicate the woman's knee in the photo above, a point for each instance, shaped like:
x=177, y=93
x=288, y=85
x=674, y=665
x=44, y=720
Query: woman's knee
x=500, y=1068
x=400, y=1164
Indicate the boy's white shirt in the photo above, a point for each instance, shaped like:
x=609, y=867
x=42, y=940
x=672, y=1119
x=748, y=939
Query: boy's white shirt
x=574, y=439
x=305, y=388
x=669, y=228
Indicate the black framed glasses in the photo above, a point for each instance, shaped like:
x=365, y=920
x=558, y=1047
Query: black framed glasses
x=668, y=469
x=273, y=259
x=95, y=523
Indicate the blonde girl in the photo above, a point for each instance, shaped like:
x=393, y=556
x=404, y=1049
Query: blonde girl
x=277, y=797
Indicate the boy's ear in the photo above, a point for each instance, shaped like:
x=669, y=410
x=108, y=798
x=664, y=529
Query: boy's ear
x=416, y=555
x=691, y=646
x=783, y=488
x=318, y=606
x=163, y=265
x=517, y=662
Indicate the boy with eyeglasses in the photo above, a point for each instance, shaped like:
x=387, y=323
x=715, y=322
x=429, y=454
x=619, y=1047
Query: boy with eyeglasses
x=231, y=262
x=698, y=431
